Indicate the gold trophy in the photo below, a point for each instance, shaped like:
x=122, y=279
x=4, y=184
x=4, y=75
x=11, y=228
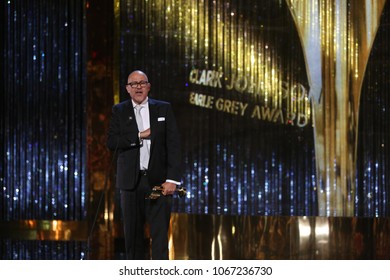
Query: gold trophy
x=336, y=37
x=157, y=192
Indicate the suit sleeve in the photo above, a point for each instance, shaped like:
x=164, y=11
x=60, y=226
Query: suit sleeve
x=119, y=136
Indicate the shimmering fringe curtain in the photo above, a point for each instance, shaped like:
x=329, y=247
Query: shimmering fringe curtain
x=373, y=168
x=244, y=166
x=42, y=250
x=43, y=110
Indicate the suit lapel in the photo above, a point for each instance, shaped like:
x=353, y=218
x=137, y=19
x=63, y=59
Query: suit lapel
x=130, y=115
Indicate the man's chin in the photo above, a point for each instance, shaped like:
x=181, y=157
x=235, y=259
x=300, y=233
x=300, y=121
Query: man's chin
x=139, y=99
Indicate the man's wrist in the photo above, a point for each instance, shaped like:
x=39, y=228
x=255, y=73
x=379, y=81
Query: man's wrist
x=173, y=181
x=140, y=140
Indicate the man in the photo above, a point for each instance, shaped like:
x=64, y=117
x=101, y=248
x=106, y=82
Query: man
x=148, y=155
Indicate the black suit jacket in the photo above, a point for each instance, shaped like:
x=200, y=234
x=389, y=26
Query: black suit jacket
x=165, y=154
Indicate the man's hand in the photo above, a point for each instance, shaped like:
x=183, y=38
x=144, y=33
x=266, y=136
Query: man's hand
x=168, y=188
x=145, y=134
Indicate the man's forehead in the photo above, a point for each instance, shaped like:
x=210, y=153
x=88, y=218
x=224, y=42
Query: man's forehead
x=137, y=76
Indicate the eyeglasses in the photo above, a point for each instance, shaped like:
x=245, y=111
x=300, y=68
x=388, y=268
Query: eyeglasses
x=142, y=84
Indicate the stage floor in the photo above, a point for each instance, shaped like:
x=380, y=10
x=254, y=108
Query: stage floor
x=207, y=237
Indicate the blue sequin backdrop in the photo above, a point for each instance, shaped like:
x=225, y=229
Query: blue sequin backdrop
x=43, y=102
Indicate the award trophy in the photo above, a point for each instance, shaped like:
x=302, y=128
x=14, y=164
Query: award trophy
x=157, y=192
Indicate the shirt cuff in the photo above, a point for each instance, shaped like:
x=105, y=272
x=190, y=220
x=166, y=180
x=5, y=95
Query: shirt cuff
x=173, y=181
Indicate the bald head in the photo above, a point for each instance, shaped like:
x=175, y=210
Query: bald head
x=138, y=86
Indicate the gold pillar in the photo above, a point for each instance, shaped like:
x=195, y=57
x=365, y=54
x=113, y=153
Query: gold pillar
x=336, y=37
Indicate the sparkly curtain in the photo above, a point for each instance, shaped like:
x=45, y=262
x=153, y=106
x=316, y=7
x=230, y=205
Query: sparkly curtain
x=236, y=76
x=43, y=111
x=373, y=167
